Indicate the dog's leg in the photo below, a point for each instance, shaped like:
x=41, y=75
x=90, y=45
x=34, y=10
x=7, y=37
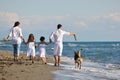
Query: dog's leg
x=80, y=66
x=75, y=65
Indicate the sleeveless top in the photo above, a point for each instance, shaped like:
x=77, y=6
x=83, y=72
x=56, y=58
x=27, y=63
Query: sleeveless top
x=42, y=48
x=31, y=48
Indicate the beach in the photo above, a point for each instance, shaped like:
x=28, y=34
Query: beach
x=101, y=61
x=24, y=69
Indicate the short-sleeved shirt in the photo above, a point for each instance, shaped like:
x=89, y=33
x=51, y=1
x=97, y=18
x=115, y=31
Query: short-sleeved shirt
x=16, y=34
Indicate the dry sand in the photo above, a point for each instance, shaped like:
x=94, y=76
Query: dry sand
x=24, y=69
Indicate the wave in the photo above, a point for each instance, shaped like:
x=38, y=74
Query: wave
x=116, y=45
x=90, y=71
x=1, y=43
x=4, y=45
x=72, y=44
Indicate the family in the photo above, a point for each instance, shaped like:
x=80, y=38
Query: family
x=17, y=38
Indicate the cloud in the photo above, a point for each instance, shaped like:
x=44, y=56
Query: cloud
x=92, y=18
x=75, y=20
x=38, y=19
x=44, y=25
x=7, y=17
x=80, y=24
x=111, y=16
x=114, y=17
x=11, y=17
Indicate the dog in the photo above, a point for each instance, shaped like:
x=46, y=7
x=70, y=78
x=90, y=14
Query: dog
x=78, y=59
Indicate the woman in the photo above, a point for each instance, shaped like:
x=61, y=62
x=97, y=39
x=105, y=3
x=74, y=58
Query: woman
x=17, y=37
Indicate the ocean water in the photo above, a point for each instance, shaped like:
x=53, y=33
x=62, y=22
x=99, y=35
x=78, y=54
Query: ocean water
x=101, y=60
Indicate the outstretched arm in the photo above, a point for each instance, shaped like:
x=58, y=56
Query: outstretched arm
x=50, y=38
x=73, y=34
x=70, y=33
x=7, y=38
x=47, y=43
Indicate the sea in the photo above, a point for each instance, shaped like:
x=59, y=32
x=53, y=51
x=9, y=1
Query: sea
x=101, y=60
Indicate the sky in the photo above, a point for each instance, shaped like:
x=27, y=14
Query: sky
x=91, y=20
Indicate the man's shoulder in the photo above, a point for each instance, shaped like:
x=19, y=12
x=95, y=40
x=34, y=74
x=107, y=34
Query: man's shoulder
x=17, y=28
x=58, y=30
x=55, y=31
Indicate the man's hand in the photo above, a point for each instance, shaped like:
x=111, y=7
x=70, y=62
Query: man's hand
x=75, y=37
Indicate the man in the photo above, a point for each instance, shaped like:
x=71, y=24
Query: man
x=58, y=42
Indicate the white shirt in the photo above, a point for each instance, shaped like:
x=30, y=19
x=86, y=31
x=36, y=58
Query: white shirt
x=58, y=35
x=16, y=34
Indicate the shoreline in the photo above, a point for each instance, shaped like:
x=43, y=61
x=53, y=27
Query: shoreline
x=24, y=69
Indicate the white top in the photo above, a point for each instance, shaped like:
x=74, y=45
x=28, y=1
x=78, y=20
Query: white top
x=31, y=49
x=31, y=45
x=58, y=35
x=16, y=34
x=42, y=50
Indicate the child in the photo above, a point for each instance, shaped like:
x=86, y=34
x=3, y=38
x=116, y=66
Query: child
x=42, y=50
x=31, y=47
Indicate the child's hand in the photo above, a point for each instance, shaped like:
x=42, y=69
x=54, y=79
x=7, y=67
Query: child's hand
x=36, y=45
x=24, y=41
x=50, y=41
x=5, y=39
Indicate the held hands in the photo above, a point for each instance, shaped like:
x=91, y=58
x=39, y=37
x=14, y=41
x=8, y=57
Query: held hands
x=50, y=40
x=24, y=41
x=5, y=39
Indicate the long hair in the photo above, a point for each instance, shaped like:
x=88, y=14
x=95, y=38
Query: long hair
x=31, y=38
x=17, y=23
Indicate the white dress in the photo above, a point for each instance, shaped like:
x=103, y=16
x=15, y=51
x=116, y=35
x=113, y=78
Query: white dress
x=42, y=50
x=31, y=49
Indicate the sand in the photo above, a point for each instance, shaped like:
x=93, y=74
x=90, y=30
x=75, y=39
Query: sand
x=24, y=69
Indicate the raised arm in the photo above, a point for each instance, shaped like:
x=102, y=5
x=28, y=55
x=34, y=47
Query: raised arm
x=73, y=34
x=50, y=38
x=47, y=43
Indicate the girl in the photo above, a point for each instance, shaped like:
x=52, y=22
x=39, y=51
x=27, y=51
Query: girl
x=42, y=49
x=31, y=47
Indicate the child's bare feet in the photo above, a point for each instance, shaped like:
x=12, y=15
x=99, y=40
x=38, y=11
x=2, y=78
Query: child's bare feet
x=32, y=61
